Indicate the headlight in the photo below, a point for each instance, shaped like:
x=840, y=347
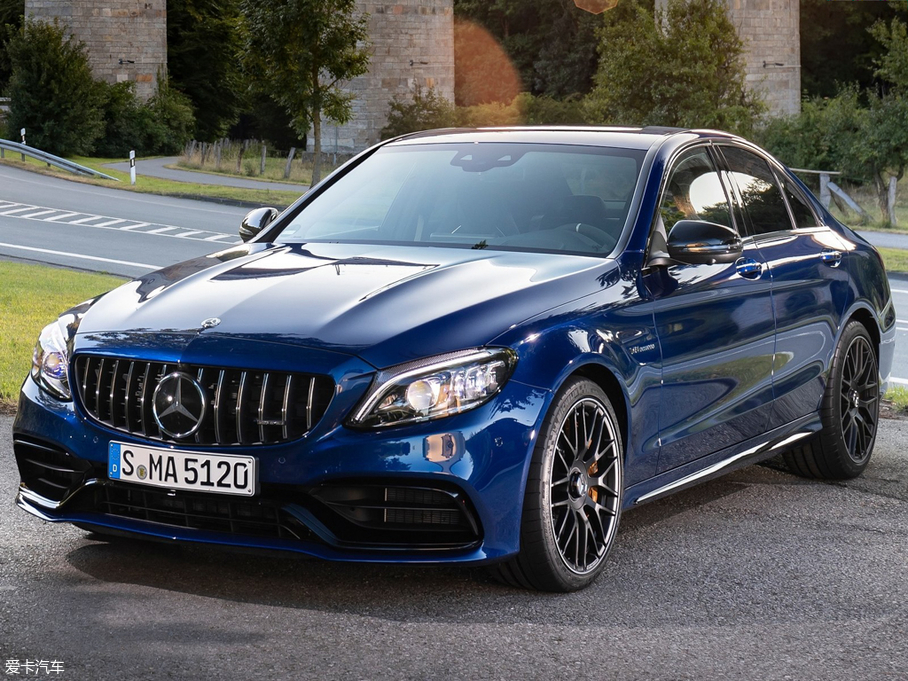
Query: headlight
x=50, y=360
x=435, y=387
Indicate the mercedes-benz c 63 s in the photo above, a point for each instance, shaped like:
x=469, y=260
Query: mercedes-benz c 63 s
x=474, y=347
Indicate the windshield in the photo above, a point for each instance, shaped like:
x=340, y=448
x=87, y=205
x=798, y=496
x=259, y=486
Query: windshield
x=487, y=195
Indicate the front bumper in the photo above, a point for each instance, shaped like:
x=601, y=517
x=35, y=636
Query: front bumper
x=445, y=491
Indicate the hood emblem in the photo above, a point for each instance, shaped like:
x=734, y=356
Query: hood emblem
x=210, y=323
x=178, y=405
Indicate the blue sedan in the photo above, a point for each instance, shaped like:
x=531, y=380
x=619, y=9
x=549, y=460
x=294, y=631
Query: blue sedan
x=475, y=347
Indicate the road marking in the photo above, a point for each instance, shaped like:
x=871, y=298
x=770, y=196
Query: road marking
x=898, y=290
x=60, y=217
x=899, y=381
x=82, y=257
x=40, y=212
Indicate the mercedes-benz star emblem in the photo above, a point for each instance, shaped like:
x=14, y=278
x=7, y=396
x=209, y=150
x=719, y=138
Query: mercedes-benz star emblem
x=210, y=323
x=178, y=405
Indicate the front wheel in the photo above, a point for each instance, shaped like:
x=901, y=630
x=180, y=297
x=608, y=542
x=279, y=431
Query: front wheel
x=572, y=504
x=850, y=412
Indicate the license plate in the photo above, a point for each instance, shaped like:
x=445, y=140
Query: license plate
x=218, y=473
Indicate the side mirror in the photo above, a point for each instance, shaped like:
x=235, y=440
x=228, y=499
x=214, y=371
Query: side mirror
x=255, y=221
x=696, y=242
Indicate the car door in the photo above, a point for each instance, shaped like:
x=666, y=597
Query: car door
x=714, y=323
x=808, y=287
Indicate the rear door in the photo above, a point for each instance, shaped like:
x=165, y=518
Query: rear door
x=714, y=323
x=808, y=287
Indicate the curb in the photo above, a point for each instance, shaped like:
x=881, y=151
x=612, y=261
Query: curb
x=224, y=202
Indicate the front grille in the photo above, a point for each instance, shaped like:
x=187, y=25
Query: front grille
x=257, y=518
x=243, y=406
x=48, y=470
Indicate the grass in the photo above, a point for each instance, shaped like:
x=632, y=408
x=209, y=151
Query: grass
x=32, y=296
x=866, y=198
x=250, y=166
x=895, y=259
x=153, y=185
x=898, y=396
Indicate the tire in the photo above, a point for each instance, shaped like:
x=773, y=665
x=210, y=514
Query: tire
x=575, y=487
x=849, y=412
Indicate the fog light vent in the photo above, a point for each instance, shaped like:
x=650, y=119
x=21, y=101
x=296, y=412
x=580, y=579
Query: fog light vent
x=404, y=515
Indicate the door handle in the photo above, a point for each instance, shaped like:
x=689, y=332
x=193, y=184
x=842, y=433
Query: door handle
x=831, y=258
x=749, y=268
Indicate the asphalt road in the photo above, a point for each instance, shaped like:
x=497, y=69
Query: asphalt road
x=78, y=225
x=759, y=575
x=899, y=286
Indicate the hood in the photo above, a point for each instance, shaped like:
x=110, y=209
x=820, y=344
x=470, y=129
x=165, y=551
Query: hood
x=385, y=304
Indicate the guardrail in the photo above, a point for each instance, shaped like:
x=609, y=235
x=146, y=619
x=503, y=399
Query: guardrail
x=50, y=159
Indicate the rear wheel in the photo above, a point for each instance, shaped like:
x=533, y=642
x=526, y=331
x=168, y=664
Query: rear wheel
x=850, y=412
x=573, y=498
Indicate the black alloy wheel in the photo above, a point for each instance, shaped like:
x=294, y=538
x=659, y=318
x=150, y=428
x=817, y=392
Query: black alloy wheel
x=859, y=399
x=574, y=492
x=850, y=412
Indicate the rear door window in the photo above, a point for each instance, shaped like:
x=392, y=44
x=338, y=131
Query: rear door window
x=758, y=190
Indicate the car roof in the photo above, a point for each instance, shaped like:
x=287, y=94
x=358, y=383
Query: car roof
x=625, y=137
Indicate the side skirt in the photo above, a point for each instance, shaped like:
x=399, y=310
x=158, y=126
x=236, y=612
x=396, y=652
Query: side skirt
x=743, y=454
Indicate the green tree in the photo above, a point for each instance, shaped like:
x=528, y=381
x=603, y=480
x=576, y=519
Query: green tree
x=879, y=149
x=203, y=45
x=681, y=68
x=301, y=51
x=54, y=96
x=836, y=46
x=892, y=64
x=11, y=14
x=422, y=110
x=868, y=143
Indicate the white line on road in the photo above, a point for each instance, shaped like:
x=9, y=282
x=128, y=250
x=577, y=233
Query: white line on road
x=898, y=290
x=107, y=222
x=82, y=257
x=899, y=381
x=61, y=217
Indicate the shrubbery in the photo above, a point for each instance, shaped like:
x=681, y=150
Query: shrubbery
x=427, y=110
x=66, y=112
x=423, y=110
x=684, y=69
x=54, y=96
